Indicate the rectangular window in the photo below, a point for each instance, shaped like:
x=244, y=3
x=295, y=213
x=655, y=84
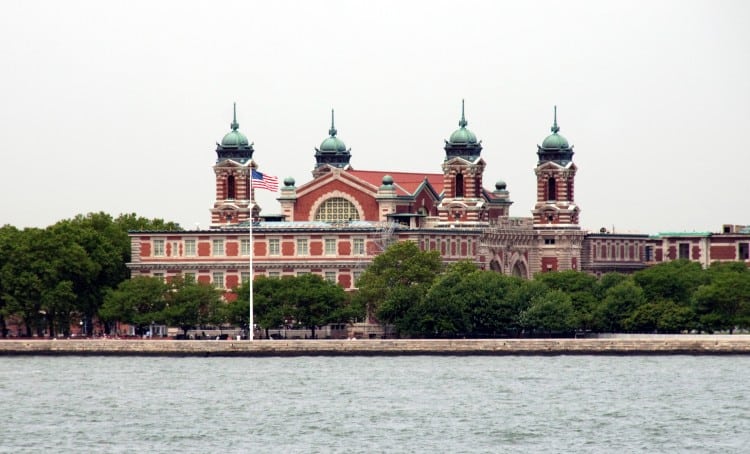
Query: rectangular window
x=159, y=276
x=158, y=248
x=245, y=246
x=218, y=278
x=274, y=247
x=649, y=252
x=684, y=251
x=330, y=246
x=189, y=277
x=244, y=277
x=549, y=241
x=175, y=250
x=330, y=276
x=302, y=273
x=274, y=274
x=744, y=251
x=218, y=247
x=356, y=274
x=302, y=246
x=190, y=248
x=358, y=246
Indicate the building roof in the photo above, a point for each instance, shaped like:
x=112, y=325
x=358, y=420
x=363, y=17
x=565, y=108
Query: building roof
x=406, y=183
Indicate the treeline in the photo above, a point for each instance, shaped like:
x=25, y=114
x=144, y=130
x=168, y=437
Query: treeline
x=410, y=289
x=55, y=276
x=305, y=301
x=74, y=272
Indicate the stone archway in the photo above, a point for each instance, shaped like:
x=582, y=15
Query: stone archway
x=496, y=266
x=520, y=270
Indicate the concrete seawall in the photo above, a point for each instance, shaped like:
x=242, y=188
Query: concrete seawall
x=648, y=345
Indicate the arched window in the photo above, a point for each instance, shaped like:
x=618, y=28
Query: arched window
x=337, y=209
x=230, y=187
x=551, y=189
x=459, y=185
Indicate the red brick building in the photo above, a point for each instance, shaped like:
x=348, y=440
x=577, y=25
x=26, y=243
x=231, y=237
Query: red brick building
x=335, y=223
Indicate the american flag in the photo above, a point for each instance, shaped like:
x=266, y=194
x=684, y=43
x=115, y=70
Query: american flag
x=264, y=181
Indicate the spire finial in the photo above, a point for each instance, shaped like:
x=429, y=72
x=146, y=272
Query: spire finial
x=234, y=124
x=463, y=121
x=332, y=131
x=555, y=128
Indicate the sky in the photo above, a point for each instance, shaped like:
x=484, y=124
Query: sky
x=117, y=106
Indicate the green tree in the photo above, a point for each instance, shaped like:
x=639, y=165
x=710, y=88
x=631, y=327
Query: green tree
x=723, y=303
x=315, y=301
x=190, y=304
x=552, y=312
x=619, y=303
x=582, y=289
x=673, y=281
x=138, y=301
x=467, y=301
x=396, y=280
x=270, y=307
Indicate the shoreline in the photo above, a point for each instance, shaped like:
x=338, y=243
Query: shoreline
x=630, y=345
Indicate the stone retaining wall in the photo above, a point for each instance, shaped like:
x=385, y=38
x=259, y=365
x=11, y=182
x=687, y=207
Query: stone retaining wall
x=668, y=345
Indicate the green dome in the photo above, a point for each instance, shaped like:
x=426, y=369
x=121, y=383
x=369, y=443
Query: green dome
x=332, y=143
x=463, y=135
x=555, y=141
x=234, y=138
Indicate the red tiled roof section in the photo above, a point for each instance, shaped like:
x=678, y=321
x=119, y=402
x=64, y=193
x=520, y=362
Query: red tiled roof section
x=406, y=182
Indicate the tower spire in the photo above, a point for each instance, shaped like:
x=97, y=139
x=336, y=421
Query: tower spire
x=555, y=128
x=332, y=131
x=234, y=124
x=463, y=121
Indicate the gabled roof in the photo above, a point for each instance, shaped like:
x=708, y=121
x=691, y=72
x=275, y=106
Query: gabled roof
x=406, y=183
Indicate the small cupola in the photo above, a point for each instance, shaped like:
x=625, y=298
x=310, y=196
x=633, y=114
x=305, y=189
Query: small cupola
x=332, y=150
x=555, y=147
x=463, y=143
x=234, y=145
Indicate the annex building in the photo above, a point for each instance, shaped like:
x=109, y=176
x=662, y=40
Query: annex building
x=338, y=221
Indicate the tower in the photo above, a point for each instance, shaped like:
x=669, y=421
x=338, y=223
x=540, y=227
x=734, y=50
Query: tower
x=332, y=152
x=555, y=215
x=463, y=169
x=555, y=182
x=234, y=198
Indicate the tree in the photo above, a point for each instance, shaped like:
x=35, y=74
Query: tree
x=723, y=303
x=190, y=304
x=467, y=301
x=138, y=301
x=269, y=310
x=315, y=301
x=618, y=305
x=397, y=279
x=674, y=281
x=582, y=289
x=552, y=312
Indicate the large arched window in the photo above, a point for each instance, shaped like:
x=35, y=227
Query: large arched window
x=551, y=189
x=459, y=185
x=337, y=209
x=231, y=190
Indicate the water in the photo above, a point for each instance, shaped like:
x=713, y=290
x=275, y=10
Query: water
x=375, y=404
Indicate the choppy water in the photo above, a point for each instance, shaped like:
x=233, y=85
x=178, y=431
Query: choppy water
x=375, y=404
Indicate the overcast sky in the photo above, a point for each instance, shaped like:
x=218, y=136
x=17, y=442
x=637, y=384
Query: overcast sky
x=117, y=106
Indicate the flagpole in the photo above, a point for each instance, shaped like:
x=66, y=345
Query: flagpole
x=250, y=328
